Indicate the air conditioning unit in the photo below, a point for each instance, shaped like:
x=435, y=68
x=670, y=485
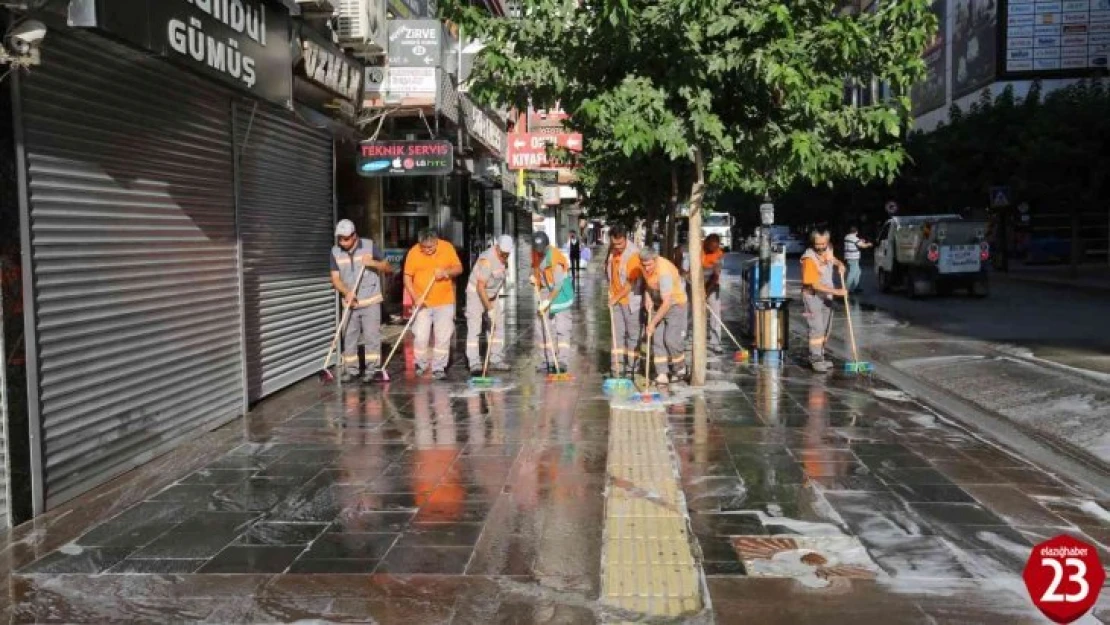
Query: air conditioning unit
x=362, y=27
x=316, y=9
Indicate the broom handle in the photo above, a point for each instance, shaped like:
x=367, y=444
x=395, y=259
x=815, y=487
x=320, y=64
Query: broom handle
x=647, y=361
x=848, y=316
x=723, y=326
x=547, y=332
x=412, y=318
x=344, y=318
x=613, y=334
x=492, y=327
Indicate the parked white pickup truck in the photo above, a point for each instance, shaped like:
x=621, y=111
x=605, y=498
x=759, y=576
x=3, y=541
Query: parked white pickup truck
x=932, y=254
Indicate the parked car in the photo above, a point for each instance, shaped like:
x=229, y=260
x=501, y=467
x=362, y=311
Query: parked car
x=932, y=254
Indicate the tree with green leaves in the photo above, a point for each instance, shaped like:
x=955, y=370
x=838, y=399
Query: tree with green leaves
x=751, y=94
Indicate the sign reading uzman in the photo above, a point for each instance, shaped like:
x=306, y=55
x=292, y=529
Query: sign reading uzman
x=406, y=158
x=529, y=150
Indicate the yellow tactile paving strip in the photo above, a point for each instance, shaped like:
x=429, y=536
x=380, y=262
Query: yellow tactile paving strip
x=647, y=563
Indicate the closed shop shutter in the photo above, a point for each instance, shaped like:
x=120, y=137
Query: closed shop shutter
x=135, y=261
x=286, y=224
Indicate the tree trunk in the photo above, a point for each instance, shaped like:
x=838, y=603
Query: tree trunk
x=697, y=279
x=672, y=216
x=1076, y=240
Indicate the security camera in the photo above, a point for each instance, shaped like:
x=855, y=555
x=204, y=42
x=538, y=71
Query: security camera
x=27, y=36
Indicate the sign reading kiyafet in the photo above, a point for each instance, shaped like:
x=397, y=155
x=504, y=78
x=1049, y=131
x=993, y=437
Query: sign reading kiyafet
x=529, y=150
x=406, y=158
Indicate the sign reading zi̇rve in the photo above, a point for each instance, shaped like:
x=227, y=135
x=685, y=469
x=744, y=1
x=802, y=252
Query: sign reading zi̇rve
x=406, y=158
x=243, y=43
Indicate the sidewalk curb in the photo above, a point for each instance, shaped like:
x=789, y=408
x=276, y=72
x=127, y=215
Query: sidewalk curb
x=1047, y=452
x=1063, y=284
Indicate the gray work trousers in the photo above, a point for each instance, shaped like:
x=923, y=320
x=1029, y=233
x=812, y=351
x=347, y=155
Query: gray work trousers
x=818, y=315
x=441, y=321
x=668, y=343
x=364, y=323
x=713, y=299
x=559, y=326
x=476, y=316
x=626, y=327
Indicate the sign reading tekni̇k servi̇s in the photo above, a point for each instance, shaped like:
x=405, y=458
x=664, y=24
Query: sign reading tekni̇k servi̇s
x=243, y=43
x=406, y=158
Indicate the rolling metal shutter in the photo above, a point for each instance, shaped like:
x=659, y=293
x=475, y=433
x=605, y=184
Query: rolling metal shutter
x=137, y=306
x=286, y=221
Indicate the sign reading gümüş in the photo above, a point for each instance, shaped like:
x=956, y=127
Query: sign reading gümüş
x=243, y=43
x=406, y=158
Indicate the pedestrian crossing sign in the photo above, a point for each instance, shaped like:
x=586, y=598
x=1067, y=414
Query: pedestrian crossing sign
x=1000, y=197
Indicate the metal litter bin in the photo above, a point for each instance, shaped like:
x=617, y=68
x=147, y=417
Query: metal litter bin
x=772, y=325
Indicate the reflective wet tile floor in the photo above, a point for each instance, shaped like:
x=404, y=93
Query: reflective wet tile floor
x=807, y=499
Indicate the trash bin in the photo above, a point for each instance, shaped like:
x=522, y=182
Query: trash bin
x=772, y=325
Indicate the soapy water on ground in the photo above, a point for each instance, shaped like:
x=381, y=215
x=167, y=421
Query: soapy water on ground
x=891, y=394
x=477, y=391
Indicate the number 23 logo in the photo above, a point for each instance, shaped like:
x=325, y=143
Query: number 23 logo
x=1051, y=594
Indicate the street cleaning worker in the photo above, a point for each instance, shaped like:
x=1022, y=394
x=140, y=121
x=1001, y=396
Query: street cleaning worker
x=432, y=261
x=551, y=273
x=818, y=291
x=667, y=309
x=483, y=291
x=852, y=246
x=349, y=257
x=626, y=293
x=711, y=257
x=575, y=250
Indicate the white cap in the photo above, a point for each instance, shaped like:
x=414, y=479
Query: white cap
x=505, y=243
x=344, y=228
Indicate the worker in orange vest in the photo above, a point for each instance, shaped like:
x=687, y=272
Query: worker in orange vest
x=667, y=309
x=711, y=256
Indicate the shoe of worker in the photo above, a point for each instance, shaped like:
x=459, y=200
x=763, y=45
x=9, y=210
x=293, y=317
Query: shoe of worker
x=347, y=377
x=440, y=374
x=821, y=366
x=500, y=366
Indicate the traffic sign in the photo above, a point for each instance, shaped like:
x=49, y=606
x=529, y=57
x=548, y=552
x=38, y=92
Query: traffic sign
x=529, y=150
x=1000, y=197
x=1064, y=577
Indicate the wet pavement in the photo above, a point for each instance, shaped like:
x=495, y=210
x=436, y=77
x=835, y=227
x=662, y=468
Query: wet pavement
x=806, y=499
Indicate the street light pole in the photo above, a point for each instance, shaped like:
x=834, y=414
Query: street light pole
x=766, y=218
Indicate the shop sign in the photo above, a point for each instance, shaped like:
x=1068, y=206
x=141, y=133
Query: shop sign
x=551, y=195
x=529, y=150
x=406, y=158
x=480, y=126
x=244, y=43
x=404, y=82
x=414, y=43
x=333, y=70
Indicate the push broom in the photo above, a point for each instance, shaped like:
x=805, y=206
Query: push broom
x=855, y=365
x=615, y=383
x=648, y=396
x=383, y=375
x=326, y=376
x=484, y=381
x=741, y=354
x=559, y=375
